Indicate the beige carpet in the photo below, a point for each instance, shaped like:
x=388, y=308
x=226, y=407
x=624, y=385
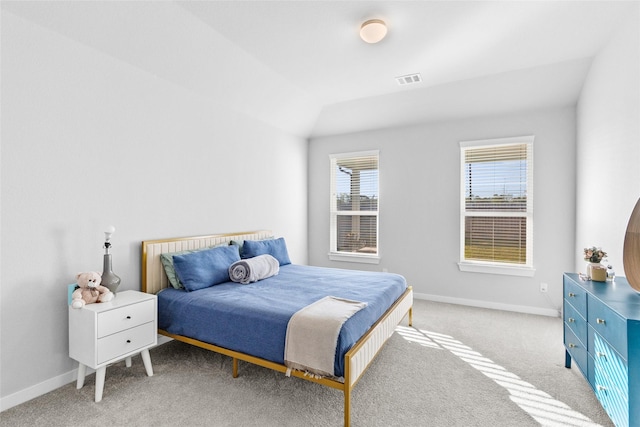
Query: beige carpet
x=458, y=366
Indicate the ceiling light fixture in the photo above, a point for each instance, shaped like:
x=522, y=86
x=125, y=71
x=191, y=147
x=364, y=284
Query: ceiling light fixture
x=373, y=30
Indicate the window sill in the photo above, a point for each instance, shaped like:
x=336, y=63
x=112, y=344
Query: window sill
x=364, y=259
x=473, y=267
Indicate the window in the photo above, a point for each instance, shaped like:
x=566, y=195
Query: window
x=496, y=220
x=354, y=207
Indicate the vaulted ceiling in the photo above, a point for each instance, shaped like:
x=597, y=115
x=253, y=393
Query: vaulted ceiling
x=300, y=65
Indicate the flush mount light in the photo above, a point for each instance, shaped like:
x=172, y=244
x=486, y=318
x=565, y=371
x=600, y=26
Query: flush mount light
x=373, y=30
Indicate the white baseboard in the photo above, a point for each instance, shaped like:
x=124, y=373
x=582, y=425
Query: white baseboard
x=488, y=304
x=162, y=339
x=37, y=390
x=50, y=385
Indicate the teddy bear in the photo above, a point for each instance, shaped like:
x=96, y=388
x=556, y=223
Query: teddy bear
x=89, y=290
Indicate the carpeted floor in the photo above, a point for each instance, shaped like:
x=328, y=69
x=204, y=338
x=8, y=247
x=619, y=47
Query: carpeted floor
x=458, y=366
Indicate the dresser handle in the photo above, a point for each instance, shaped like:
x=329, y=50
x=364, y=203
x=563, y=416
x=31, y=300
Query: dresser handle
x=571, y=320
x=572, y=345
x=600, y=321
x=571, y=294
x=128, y=341
x=128, y=317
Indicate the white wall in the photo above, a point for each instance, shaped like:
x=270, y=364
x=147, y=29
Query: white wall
x=608, y=141
x=88, y=141
x=420, y=209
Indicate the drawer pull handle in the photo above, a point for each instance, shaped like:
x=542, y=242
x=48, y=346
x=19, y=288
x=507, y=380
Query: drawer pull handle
x=571, y=294
x=571, y=320
x=128, y=341
x=128, y=317
x=600, y=321
x=571, y=345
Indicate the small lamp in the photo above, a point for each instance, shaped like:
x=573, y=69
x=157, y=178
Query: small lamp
x=109, y=279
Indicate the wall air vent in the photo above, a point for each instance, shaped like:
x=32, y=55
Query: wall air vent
x=409, y=79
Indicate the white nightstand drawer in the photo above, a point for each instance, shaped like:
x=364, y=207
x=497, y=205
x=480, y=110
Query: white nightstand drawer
x=125, y=342
x=128, y=316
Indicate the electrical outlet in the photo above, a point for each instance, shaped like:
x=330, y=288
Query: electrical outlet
x=543, y=287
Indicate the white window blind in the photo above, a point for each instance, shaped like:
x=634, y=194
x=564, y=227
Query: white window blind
x=497, y=202
x=354, y=205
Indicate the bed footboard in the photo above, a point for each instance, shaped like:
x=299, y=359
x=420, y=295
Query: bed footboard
x=364, y=351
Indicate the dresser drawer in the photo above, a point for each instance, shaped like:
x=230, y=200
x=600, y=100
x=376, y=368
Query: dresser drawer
x=576, y=349
x=576, y=322
x=608, y=324
x=121, y=343
x=614, y=403
x=576, y=295
x=125, y=317
x=609, y=362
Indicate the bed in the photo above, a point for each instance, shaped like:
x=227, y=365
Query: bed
x=188, y=316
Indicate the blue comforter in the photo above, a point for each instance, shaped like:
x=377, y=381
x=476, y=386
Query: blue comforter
x=253, y=318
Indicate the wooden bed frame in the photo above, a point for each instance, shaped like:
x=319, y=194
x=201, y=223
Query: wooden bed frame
x=357, y=359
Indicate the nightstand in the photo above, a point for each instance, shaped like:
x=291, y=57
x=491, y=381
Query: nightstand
x=104, y=333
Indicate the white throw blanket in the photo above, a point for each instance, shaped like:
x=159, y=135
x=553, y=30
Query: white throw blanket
x=253, y=269
x=312, y=334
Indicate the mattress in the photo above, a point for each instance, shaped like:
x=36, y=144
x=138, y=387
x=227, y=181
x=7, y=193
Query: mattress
x=253, y=318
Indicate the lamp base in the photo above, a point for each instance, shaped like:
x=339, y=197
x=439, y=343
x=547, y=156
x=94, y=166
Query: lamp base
x=110, y=280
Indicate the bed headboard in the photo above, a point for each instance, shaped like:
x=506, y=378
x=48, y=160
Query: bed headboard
x=154, y=278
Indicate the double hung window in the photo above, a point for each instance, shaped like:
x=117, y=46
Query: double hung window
x=354, y=207
x=496, y=206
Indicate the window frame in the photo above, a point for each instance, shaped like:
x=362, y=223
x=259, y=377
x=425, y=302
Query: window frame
x=497, y=267
x=344, y=256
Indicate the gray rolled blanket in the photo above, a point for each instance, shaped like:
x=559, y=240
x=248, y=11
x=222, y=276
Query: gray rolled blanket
x=253, y=269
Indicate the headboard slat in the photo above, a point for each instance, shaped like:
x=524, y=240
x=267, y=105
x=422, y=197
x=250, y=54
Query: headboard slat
x=154, y=278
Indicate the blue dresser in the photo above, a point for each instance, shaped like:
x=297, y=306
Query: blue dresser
x=602, y=337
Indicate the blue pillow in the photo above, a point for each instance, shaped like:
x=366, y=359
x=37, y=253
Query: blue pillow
x=240, y=243
x=167, y=262
x=277, y=248
x=202, y=269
